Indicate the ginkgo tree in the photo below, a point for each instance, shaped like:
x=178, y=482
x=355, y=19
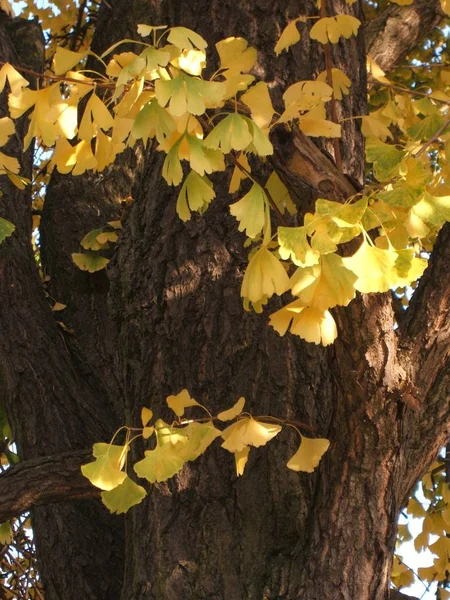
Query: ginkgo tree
x=231, y=202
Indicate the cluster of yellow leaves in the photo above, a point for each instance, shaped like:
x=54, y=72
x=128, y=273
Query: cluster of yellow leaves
x=325, y=30
x=434, y=515
x=158, y=92
x=183, y=441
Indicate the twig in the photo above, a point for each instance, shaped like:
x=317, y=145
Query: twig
x=333, y=105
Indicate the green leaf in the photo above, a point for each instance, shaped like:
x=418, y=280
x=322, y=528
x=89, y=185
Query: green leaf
x=120, y=499
x=385, y=158
x=90, y=261
x=426, y=128
x=6, y=229
x=91, y=242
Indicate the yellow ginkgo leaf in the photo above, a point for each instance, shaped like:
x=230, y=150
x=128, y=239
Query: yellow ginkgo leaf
x=169, y=435
x=232, y=133
x=195, y=195
x=172, y=170
x=260, y=145
x=280, y=194
x=146, y=30
x=15, y=79
x=235, y=54
x=146, y=415
x=64, y=60
x=181, y=401
x=374, y=128
x=8, y=164
x=191, y=61
x=124, y=496
x=186, y=39
x=308, y=323
x=304, y=96
x=147, y=432
x=6, y=533
x=333, y=283
x=204, y=160
x=250, y=211
x=264, y=277
x=319, y=127
x=188, y=94
x=161, y=463
x=234, y=411
x=89, y=261
x=153, y=121
x=241, y=459
x=200, y=436
x=332, y=28
x=445, y=5
x=95, y=115
x=6, y=229
x=340, y=82
x=7, y=128
x=106, y=472
x=288, y=38
x=373, y=267
x=239, y=174
x=257, y=98
x=90, y=241
x=386, y=158
x=309, y=454
x=248, y=432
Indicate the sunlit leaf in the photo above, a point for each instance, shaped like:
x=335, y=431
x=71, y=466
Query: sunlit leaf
x=332, y=28
x=311, y=324
x=248, y=432
x=289, y=36
x=146, y=415
x=250, y=211
x=120, y=499
x=234, y=411
x=309, y=454
x=106, y=471
x=181, y=401
x=373, y=267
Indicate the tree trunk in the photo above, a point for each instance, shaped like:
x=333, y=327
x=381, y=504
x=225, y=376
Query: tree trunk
x=168, y=316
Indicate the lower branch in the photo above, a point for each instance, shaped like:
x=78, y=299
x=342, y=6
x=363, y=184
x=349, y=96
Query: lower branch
x=44, y=481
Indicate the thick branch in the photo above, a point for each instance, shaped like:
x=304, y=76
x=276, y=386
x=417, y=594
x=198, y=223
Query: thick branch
x=398, y=30
x=43, y=481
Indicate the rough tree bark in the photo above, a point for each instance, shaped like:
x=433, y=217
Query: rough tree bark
x=167, y=315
